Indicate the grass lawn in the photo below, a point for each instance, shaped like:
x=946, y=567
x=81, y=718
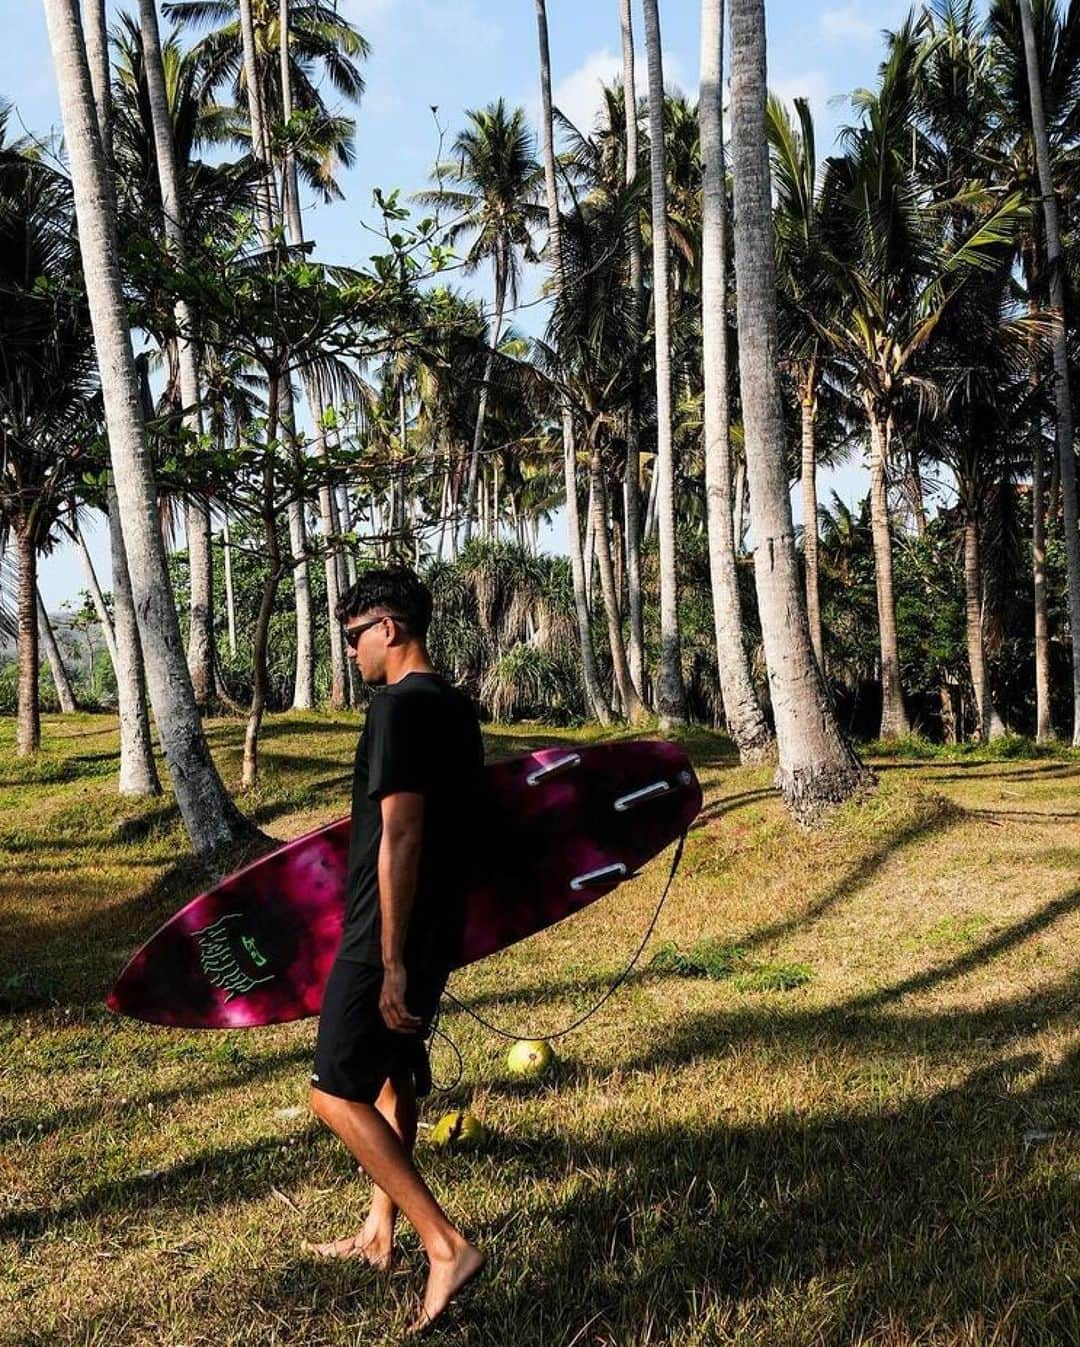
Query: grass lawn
x=842, y=1107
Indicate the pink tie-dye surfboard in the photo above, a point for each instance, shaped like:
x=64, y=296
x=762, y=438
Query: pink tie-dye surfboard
x=567, y=825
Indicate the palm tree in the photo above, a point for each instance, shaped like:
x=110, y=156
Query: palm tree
x=631, y=476
x=496, y=181
x=592, y=347
x=805, y=285
x=816, y=765
x=1013, y=151
x=745, y=720
x=670, y=694
x=211, y=817
x=138, y=772
x=898, y=271
x=200, y=653
x=47, y=385
x=590, y=674
x=1062, y=392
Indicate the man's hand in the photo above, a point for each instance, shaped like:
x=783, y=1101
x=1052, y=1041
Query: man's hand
x=392, y=1005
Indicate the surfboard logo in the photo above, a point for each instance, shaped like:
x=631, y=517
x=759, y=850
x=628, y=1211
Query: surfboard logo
x=220, y=960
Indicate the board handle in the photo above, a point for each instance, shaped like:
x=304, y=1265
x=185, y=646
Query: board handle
x=549, y=769
x=653, y=792
x=614, y=871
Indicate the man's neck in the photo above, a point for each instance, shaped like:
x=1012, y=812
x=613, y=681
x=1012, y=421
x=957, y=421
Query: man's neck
x=413, y=662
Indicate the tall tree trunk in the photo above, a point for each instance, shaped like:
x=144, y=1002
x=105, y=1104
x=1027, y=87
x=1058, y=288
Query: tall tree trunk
x=65, y=694
x=28, y=717
x=200, y=650
x=200, y=653
x=304, y=681
x=138, y=771
x=739, y=519
x=138, y=776
x=260, y=141
x=894, y=721
x=501, y=271
x=973, y=623
x=808, y=410
x=211, y=817
x=594, y=693
x=96, y=596
x=670, y=693
x=312, y=392
x=1062, y=391
x=275, y=569
x=1044, y=729
x=631, y=702
x=632, y=476
x=742, y=711
x=816, y=764
x=230, y=596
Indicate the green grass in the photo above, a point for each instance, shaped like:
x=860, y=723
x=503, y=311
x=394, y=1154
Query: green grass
x=885, y=1152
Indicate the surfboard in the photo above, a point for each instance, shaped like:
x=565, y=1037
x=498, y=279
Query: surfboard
x=566, y=826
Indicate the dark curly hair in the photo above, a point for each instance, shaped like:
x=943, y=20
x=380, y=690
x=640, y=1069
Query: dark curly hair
x=398, y=590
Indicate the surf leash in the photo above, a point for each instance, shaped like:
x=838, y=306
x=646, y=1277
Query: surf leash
x=608, y=994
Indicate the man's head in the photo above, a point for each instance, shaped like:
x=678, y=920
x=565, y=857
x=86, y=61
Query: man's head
x=386, y=615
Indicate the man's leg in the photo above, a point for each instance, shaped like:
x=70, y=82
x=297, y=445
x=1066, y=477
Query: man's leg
x=376, y=1146
x=375, y=1240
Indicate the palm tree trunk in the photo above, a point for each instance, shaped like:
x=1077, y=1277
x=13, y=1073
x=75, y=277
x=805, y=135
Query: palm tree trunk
x=650, y=507
x=590, y=546
x=211, y=818
x=973, y=623
x=304, y=680
x=481, y=409
x=260, y=143
x=632, y=475
x=65, y=695
x=817, y=766
x=28, y=716
x=138, y=771
x=230, y=597
x=632, y=705
x=312, y=392
x=594, y=693
x=96, y=596
x=670, y=693
x=739, y=519
x=200, y=651
x=742, y=711
x=894, y=721
x=275, y=569
x=1062, y=392
x=1044, y=729
x=200, y=654
x=808, y=409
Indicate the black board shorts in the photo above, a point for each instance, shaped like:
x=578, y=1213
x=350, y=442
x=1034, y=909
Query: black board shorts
x=356, y=1053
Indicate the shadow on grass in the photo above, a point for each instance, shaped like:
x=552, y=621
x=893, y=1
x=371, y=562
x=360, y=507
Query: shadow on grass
x=917, y=1220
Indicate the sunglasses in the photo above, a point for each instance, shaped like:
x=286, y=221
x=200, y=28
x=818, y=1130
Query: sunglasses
x=353, y=634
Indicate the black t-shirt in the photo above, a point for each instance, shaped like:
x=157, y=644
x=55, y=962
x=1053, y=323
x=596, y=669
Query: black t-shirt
x=421, y=734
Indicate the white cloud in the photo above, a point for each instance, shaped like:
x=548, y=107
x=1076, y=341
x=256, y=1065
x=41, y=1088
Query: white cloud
x=579, y=95
x=849, y=24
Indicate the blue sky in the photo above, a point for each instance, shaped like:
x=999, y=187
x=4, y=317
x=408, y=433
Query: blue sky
x=458, y=54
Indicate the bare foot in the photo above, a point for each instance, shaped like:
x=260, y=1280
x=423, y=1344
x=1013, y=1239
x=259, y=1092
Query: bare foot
x=447, y=1277
x=374, y=1248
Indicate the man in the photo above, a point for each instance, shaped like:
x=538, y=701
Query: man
x=416, y=785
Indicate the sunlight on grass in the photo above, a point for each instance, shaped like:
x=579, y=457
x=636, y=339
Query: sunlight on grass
x=836, y=1102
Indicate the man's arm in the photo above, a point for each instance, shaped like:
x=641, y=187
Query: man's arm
x=398, y=866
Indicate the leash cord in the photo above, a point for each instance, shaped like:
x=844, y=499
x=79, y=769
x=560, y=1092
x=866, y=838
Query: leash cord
x=608, y=994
